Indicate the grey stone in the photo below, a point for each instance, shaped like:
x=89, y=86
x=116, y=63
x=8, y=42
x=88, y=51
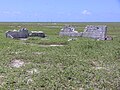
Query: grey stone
x=69, y=31
x=72, y=39
x=96, y=32
x=91, y=31
x=22, y=33
x=37, y=34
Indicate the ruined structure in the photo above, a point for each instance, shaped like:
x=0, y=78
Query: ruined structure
x=98, y=32
x=23, y=33
x=69, y=31
x=37, y=33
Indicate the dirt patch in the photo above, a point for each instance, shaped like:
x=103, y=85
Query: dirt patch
x=38, y=53
x=97, y=65
x=19, y=52
x=51, y=45
x=81, y=89
x=17, y=63
x=99, y=68
x=23, y=39
x=46, y=44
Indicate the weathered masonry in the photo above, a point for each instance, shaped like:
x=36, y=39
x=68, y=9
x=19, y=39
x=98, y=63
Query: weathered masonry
x=96, y=32
x=24, y=33
x=91, y=31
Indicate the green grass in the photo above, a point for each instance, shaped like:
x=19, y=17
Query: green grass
x=83, y=64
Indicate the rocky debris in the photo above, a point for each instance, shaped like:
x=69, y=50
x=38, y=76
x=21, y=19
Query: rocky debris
x=108, y=38
x=72, y=39
x=23, y=39
x=69, y=31
x=33, y=71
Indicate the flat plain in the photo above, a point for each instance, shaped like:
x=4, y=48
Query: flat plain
x=54, y=63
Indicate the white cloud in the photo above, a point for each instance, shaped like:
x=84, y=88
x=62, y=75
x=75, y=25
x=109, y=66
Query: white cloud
x=10, y=13
x=86, y=12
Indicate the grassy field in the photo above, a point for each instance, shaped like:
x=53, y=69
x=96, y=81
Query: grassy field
x=83, y=64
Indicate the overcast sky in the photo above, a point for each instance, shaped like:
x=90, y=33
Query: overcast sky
x=59, y=10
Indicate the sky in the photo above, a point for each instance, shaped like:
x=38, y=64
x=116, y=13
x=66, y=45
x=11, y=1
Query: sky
x=59, y=10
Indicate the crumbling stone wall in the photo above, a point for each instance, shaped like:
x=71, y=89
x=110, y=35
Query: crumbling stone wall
x=90, y=31
x=69, y=31
x=22, y=33
x=96, y=32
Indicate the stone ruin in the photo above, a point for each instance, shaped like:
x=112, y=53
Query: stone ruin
x=69, y=31
x=37, y=33
x=98, y=32
x=23, y=33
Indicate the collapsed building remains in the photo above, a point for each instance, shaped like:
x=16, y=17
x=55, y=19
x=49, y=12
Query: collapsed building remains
x=91, y=31
x=24, y=33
